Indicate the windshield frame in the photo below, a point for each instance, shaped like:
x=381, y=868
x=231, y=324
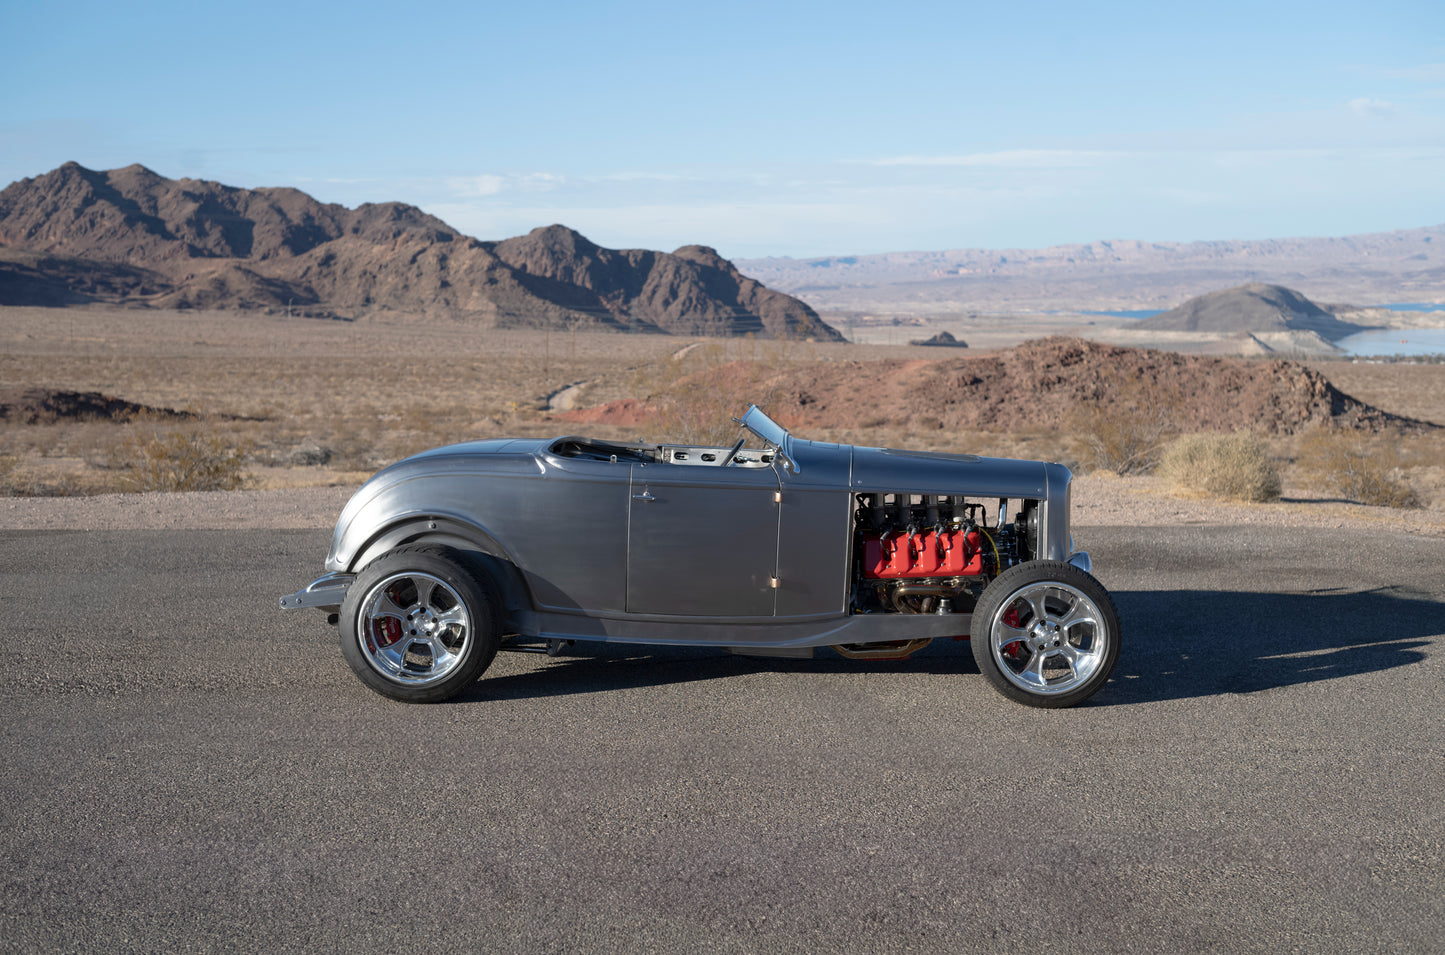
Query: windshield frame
x=772, y=433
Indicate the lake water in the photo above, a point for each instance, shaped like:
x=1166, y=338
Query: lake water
x=1396, y=341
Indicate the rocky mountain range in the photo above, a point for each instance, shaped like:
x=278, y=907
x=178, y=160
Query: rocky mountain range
x=132, y=237
x=1371, y=269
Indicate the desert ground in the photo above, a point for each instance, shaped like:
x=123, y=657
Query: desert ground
x=318, y=403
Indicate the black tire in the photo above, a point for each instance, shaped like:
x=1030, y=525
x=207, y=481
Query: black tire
x=420, y=624
x=1046, y=634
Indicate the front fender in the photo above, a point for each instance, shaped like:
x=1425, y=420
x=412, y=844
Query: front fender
x=485, y=552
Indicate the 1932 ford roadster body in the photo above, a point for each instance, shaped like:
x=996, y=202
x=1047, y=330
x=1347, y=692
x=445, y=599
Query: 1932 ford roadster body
x=445, y=557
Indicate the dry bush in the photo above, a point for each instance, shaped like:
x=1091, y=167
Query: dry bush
x=156, y=457
x=1232, y=466
x=9, y=485
x=1127, y=427
x=1123, y=441
x=1356, y=468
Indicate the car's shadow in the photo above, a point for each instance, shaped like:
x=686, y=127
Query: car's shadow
x=1177, y=644
x=1191, y=643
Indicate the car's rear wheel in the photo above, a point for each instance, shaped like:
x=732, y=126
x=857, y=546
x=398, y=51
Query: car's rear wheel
x=1046, y=634
x=420, y=624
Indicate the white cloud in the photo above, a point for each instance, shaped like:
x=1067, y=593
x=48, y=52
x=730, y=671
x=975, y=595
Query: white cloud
x=642, y=177
x=483, y=185
x=1011, y=158
x=1376, y=108
x=491, y=184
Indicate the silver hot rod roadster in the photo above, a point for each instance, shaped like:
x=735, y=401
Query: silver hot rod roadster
x=444, y=558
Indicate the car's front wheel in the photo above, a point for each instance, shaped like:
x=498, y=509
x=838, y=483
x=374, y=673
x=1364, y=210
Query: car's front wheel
x=1045, y=634
x=420, y=624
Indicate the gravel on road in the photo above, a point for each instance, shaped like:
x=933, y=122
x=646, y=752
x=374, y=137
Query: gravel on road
x=1098, y=499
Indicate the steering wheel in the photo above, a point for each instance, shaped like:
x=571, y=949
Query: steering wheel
x=733, y=453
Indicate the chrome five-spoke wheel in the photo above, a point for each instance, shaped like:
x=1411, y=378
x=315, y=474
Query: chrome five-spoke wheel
x=414, y=628
x=420, y=623
x=1046, y=633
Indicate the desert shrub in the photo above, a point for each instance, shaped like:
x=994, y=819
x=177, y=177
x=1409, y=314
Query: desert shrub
x=9, y=483
x=152, y=458
x=1355, y=467
x=1233, y=466
x=1125, y=441
x=1126, y=427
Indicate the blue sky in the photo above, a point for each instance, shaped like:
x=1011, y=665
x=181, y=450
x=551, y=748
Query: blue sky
x=763, y=128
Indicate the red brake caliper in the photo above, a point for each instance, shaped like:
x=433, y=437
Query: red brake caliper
x=1010, y=618
x=385, y=630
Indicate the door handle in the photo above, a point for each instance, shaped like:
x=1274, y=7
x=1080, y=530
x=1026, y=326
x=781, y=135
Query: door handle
x=646, y=495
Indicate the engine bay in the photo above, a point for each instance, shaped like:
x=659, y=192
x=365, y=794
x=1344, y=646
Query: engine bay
x=934, y=553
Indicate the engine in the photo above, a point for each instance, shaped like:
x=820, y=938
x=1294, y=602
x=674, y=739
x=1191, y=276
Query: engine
x=933, y=553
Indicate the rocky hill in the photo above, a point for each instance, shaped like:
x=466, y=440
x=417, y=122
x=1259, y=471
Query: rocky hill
x=1043, y=385
x=1255, y=307
x=132, y=237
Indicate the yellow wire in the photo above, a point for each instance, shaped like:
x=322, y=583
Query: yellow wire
x=997, y=560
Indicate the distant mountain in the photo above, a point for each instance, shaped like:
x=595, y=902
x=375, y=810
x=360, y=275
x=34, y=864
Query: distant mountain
x=132, y=237
x=1256, y=307
x=1373, y=269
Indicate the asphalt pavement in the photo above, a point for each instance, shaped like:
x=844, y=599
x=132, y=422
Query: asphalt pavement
x=185, y=767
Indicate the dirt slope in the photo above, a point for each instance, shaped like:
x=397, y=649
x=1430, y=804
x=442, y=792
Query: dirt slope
x=1040, y=385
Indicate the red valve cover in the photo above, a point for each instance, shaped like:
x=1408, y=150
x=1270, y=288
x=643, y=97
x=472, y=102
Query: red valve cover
x=925, y=554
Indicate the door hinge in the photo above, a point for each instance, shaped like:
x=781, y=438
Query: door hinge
x=777, y=497
x=773, y=582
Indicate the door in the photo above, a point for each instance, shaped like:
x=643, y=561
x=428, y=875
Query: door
x=702, y=540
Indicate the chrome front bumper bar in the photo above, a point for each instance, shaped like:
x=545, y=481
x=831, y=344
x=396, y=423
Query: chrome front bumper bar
x=323, y=593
